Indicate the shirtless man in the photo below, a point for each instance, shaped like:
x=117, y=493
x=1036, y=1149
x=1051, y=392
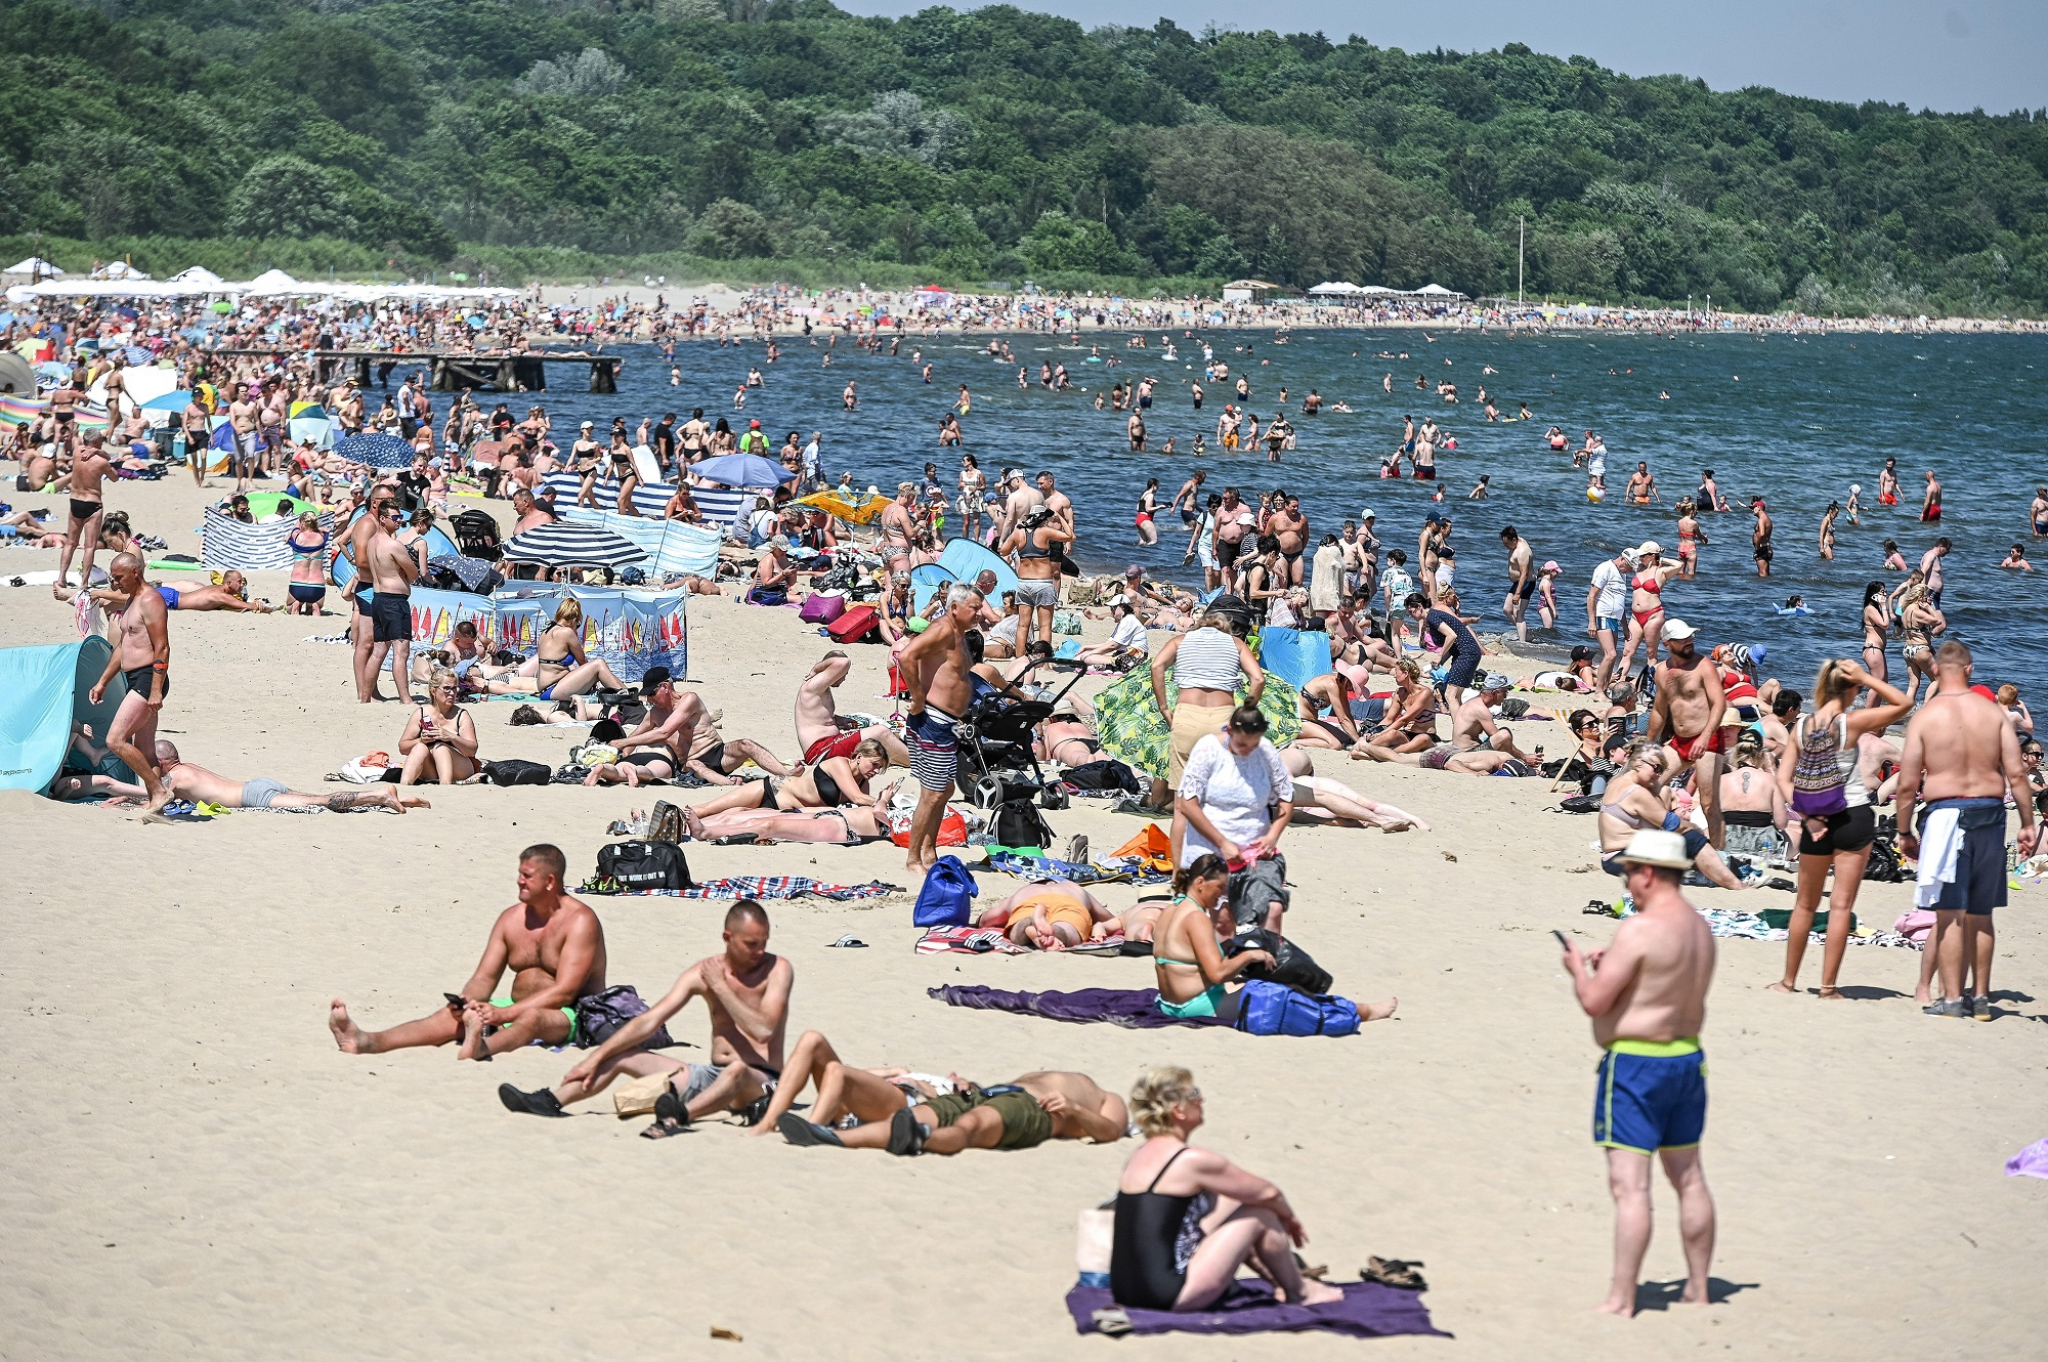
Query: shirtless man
x=936, y=672
x=1642, y=486
x=88, y=466
x=142, y=653
x=715, y=757
x=242, y=416
x=1479, y=746
x=554, y=946
x=231, y=593
x=1058, y=502
x=392, y=571
x=746, y=990
x=664, y=734
x=198, y=432
x=1188, y=501
x=1962, y=758
x=1930, y=502
x=1760, y=537
x=1021, y=1114
x=187, y=781
x=361, y=628
x=1888, y=483
x=817, y=717
x=899, y=528
x=528, y=513
x=1521, y=580
x=1290, y=527
x=1647, y=995
x=1930, y=568
x=1687, y=716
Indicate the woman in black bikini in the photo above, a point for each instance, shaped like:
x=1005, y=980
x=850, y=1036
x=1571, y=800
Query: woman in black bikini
x=1877, y=627
x=623, y=471
x=834, y=783
x=561, y=669
x=440, y=735
x=1188, y=1218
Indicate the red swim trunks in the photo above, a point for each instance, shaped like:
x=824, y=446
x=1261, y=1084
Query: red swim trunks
x=1689, y=748
x=832, y=745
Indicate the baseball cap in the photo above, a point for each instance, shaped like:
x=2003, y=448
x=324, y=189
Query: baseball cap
x=1366, y=514
x=653, y=681
x=587, y=425
x=1120, y=599
x=1678, y=629
x=753, y=425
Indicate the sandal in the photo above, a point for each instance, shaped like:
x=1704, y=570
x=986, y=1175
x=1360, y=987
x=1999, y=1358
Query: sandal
x=1396, y=1272
x=671, y=1117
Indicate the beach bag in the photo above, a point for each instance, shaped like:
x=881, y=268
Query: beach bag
x=1066, y=621
x=1817, y=779
x=854, y=625
x=637, y=1096
x=599, y=1016
x=592, y=755
x=1884, y=864
x=952, y=827
x=946, y=898
x=1018, y=823
x=516, y=772
x=768, y=595
x=644, y=865
x=1108, y=774
x=823, y=607
x=1269, y=1009
x=1292, y=966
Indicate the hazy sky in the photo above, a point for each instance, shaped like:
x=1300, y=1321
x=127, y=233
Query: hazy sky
x=1967, y=54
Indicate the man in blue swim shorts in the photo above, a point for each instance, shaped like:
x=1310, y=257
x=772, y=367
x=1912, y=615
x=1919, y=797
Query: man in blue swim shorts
x=1647, y=995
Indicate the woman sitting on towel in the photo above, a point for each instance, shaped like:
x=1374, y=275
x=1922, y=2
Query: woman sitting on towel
x=567, y=671
x=440, y=735
x=1187, y=959
x=834, y=783
x=1188, y=1218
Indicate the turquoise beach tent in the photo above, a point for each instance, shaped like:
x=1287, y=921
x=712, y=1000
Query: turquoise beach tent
x=963, y=560
x=43, y=692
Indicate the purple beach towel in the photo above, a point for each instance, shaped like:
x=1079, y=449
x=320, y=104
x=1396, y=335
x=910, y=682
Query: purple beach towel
x=2031, y=1162
x=1133, y=1007
x=1368, y=1310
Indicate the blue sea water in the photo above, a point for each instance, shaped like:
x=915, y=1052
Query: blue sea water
x=1796, y=418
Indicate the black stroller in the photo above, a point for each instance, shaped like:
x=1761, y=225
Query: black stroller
x=995, y=742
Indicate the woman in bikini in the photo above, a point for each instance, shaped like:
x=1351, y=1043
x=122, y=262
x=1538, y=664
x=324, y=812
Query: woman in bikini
x=834, y=783
x=308, y=585
x=849, y=826
x=1827, y=530
x=624, y=472
x=439, y=735
x=1919, y=622
x=561, y=668
x=1689, y=539
x=1148, y=502
x=1646, y=605
x=1188, y=964
x=1877, y=627
x=1408, y=722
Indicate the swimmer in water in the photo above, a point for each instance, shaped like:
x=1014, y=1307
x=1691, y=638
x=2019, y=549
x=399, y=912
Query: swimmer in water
x=2017, y=559
x=1827, y=530
x=1894, y=561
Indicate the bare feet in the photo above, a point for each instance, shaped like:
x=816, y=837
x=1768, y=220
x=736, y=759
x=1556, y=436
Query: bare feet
x=1703, y=1298
x=1611, y=1306
x=1378, y=1011
x=693, y=822
x=1830, y=994
x=472, y=1046
x=412, y=801
x=1781, y=987
x=1314, y=1292
x=349, y=1037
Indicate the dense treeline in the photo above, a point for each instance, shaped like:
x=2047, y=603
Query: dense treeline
x=997, y=144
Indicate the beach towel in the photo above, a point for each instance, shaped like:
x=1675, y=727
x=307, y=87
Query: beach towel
x=1939, y=845
x=1368, y=1310
x=774, y=887
x=2031, y=1162
x=965, y=941
x=1132, y=1007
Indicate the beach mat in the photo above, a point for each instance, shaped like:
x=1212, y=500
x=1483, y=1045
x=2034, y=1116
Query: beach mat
x=1133, y=1007
x=1368, y=1310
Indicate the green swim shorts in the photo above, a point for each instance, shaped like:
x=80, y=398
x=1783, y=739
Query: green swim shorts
x=568, y=1012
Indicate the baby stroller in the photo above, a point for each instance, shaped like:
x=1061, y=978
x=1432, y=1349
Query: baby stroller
x=996, y=754
x=476, y=534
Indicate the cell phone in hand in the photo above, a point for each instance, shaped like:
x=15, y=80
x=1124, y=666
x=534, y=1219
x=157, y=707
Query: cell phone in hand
x=1563, y=941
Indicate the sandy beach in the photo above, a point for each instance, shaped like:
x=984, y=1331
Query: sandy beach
x=199, y=1172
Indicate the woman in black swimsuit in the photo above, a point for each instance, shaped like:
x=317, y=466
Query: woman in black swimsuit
x=1188, y=1218
x=624, y=471
x=834, y=783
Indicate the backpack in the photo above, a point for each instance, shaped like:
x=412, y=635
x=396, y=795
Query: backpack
x=1018, y=823
x=1817, y=780
x=1269, y=1009
x=513, y=771
x=1884, y=864
x=945, y=898
x=600, y=1015
x=644, y=865
x=1293, y=967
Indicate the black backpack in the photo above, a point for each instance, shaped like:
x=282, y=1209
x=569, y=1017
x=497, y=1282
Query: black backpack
x=1884, y=863
x=1018, y=823
x=516, y=772
x=644, y=865
x=1102, y=775
x=1292, y=965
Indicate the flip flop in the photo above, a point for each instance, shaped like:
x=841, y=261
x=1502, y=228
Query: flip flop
x=906, y=1136
x=807, y=1134
x=671, y=1117
x=1396, y=1272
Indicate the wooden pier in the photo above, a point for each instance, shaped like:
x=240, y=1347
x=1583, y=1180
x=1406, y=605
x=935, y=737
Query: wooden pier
x=454, y=372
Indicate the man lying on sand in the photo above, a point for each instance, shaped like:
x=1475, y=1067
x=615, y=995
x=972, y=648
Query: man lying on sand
x=1478, y=745
x=817, y=717
x=1020, y=1114
x=846, y=1095
x=554, y=946
x=746, y=990
x=187, y=781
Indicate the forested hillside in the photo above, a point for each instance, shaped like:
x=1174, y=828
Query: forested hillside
x=991, y=145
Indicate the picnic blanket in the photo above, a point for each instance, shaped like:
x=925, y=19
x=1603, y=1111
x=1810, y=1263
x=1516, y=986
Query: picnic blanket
x=773, y=887
x=1132, y=870
x=1368, y=1310
x=1137, y=1008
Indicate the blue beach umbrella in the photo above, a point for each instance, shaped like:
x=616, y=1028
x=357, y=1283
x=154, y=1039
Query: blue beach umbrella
x=175, y=400
x=742, y=470
x=377, y=450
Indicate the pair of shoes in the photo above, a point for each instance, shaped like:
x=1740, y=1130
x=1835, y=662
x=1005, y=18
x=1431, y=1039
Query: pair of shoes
x=1949, y=1007
x=1394, y=1272
x=1980, y=1007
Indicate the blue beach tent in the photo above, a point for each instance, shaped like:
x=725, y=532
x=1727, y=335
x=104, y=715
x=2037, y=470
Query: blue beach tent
x=43, y=690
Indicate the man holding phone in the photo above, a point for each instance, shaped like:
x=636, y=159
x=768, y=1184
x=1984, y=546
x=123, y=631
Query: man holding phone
x=1647, y=995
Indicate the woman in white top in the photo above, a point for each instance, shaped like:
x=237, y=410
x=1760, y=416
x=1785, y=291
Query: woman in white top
x=1127, y=641
x=1236, y=799
x=1819, y=770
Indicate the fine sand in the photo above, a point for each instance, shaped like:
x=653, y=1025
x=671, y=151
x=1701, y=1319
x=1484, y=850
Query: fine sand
x=196, y=1171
